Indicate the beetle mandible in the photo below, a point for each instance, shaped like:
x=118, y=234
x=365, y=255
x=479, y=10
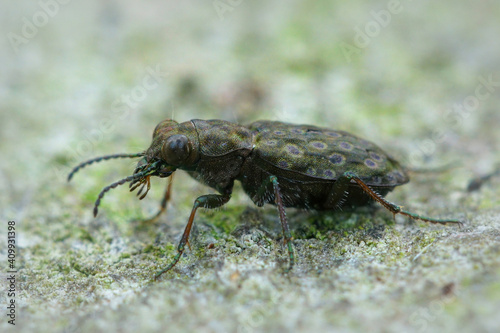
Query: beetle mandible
x=286, y=165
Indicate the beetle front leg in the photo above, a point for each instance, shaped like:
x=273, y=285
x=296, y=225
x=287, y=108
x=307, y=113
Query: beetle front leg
x=393, y=208
x=206, y=201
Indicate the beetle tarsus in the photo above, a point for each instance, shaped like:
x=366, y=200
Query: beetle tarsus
x=393, y=208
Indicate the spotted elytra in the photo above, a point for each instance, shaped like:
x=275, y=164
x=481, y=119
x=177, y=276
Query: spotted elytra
x=282, y=164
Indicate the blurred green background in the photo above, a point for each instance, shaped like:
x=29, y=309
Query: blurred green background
x=80, y=79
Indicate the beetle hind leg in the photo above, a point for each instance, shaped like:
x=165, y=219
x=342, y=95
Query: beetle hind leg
x=393, y=208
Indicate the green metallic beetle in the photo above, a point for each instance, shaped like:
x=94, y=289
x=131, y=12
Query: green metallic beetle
x=282, y=164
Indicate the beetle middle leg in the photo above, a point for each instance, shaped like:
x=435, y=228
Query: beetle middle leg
x=278, y=200
x=206, y=201
x=393, y=208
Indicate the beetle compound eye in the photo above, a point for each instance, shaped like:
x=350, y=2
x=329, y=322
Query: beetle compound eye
x=176, y=149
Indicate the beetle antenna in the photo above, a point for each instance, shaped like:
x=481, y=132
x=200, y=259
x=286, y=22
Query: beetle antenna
x=135, y=176
x=99, y=159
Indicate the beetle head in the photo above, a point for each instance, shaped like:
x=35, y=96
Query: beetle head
x=174, y=145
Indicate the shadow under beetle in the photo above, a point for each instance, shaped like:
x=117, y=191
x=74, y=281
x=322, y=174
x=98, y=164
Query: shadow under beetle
x=282, y=164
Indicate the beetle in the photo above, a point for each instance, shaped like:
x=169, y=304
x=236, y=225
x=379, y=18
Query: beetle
x=282, y=164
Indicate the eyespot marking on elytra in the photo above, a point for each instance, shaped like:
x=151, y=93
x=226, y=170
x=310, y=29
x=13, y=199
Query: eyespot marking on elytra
x=333, y=134
x=293, y=150
x=271, y=142
x=371, y=163
x=311, y=171
x=329, y=174
x=337, y=159
x=376, y=156
x=390, y=178
x=346, y=146
x=318, y=145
